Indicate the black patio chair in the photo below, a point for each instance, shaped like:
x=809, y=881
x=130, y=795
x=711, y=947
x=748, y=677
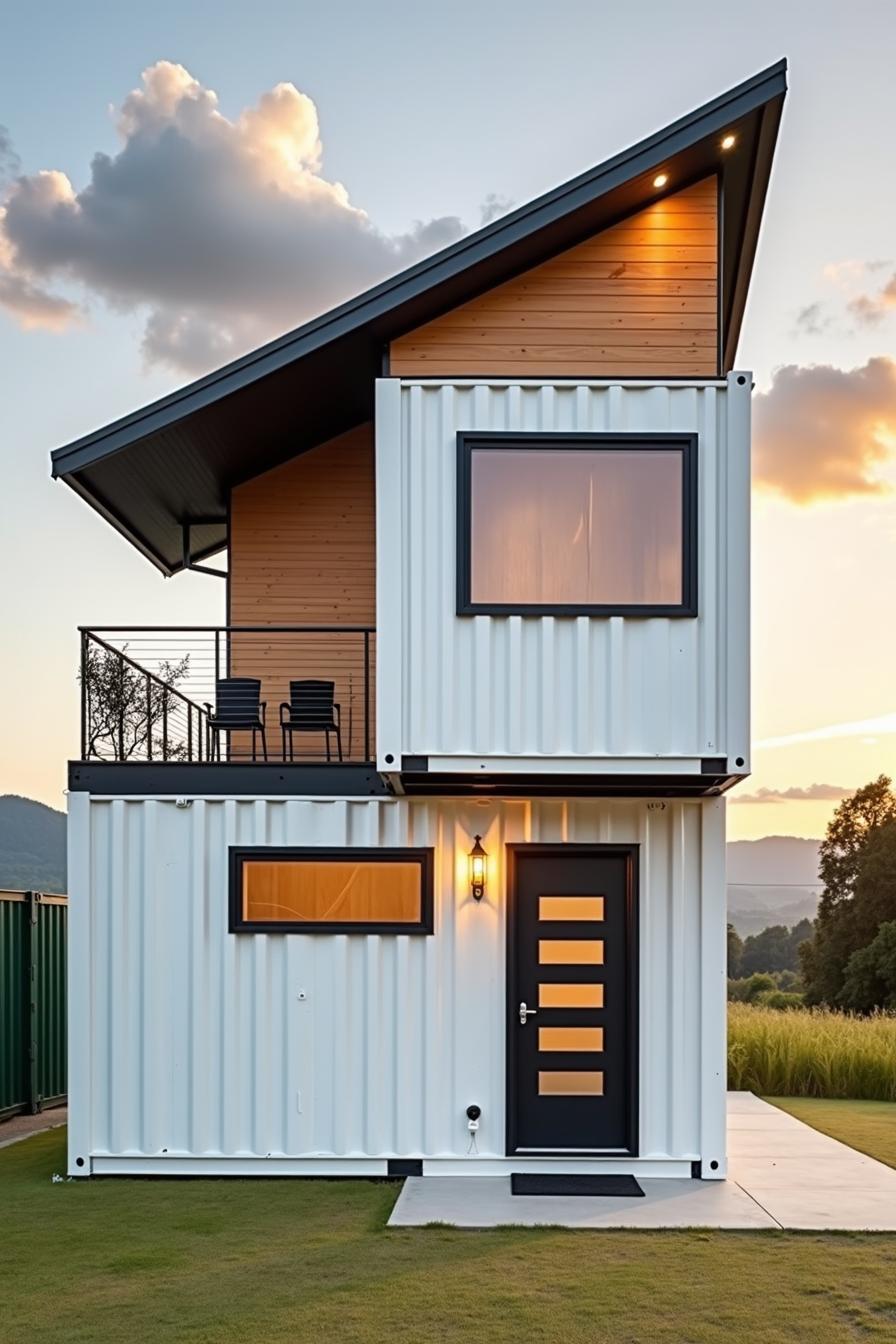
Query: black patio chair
x=311, y=709
x=238, y=708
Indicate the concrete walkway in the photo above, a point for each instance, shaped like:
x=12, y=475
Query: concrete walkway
x=781, y=1174
x=802, y=1178
x=23, y=1126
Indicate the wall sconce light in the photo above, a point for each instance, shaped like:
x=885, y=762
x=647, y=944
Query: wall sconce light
x=478, y=857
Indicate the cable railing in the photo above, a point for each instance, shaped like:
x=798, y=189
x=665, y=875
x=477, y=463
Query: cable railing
x=283, y=693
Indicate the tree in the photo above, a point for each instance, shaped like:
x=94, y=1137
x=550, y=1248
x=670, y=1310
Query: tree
x=780, y=999
x=798, y=935
x=767, y=951
x=859, y=869
x=870, y=980
x=749, y=989
x=852, y=829
x=128, y=709
x=840, y=853
x=775, y=949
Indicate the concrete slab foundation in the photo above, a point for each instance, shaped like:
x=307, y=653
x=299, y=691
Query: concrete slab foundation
x=782, y=1174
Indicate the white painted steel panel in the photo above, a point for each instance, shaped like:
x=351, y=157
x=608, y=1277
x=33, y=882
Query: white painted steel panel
x=530, y=687
x=192, y=1043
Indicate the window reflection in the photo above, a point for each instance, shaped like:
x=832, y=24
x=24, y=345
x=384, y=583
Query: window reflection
x=329, y=893
x=576, y=526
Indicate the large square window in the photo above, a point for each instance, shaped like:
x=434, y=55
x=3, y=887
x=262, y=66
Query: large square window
x=579, y=524
x=314, y=890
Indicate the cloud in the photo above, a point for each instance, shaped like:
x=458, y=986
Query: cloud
x=883, y=725
x=223, y=232
x=493, y=207
x=852, y=277
x=822, y=432
x=31, y=305
x=844, y=273
x=814, y=793
x=871, y=309
x=9, y=159
x=812, y=319
x=26, y=301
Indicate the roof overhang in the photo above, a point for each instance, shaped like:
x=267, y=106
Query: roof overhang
x=176, y=460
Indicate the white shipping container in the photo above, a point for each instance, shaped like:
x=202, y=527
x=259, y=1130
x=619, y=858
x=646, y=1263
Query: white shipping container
x=506, y=692
x=195, y=1050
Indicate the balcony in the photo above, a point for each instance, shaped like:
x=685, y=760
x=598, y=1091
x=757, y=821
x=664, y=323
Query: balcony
x=228, y=695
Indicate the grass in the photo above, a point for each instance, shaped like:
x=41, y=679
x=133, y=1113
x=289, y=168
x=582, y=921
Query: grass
x=270, y=1261
x=811, y=1053
x=869, y=1126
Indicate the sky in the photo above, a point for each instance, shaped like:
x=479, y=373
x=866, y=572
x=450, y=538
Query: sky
x=178, y=183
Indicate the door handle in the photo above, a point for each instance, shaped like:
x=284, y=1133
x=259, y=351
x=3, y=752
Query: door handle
x=526, y=1013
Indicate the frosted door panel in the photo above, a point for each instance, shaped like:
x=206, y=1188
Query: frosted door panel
x=570, y=1083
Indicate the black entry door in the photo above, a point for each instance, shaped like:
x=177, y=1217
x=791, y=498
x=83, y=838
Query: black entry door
x=571, y=974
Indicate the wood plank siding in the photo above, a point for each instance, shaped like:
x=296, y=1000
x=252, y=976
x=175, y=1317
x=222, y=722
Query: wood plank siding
x=637, y=299
x=303, y=552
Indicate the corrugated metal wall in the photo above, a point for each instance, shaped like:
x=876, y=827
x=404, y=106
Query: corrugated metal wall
x=50, y=956
x=198, y=1043
x=523, y=686
x=32, y=999
x=13, y=1002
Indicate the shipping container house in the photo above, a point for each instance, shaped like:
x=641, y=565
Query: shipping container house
x=416, y=862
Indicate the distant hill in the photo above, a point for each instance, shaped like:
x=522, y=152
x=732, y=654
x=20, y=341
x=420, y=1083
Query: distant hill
x=770, y=881
x=32, y=845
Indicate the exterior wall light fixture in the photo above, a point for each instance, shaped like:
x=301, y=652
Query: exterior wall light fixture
x=478, y=857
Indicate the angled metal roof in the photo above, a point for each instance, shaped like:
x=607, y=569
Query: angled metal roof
x=175, y=461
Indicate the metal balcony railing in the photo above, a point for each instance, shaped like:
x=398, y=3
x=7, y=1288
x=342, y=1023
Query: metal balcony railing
x=227, y=693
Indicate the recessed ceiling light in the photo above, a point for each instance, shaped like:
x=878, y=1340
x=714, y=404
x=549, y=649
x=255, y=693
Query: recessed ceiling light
x=729, y=141
x=661, y=179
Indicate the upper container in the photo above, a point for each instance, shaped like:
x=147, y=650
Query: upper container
x=563, y=577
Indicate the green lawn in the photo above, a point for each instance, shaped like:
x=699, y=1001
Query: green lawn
x=127, y=1261
x=869, y=1126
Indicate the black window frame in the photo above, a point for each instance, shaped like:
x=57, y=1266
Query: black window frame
x=687, y=444
x=419, y=856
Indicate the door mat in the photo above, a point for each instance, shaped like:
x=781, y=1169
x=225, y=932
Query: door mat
x=544, y=1183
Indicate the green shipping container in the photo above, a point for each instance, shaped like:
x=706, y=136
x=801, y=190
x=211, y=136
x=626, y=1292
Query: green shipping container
x=33, y=929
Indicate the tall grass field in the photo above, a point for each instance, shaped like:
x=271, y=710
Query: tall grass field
x=811, y=1053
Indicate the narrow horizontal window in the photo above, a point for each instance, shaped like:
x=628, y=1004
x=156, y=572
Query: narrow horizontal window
x=577, y=524
x=331, y=890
